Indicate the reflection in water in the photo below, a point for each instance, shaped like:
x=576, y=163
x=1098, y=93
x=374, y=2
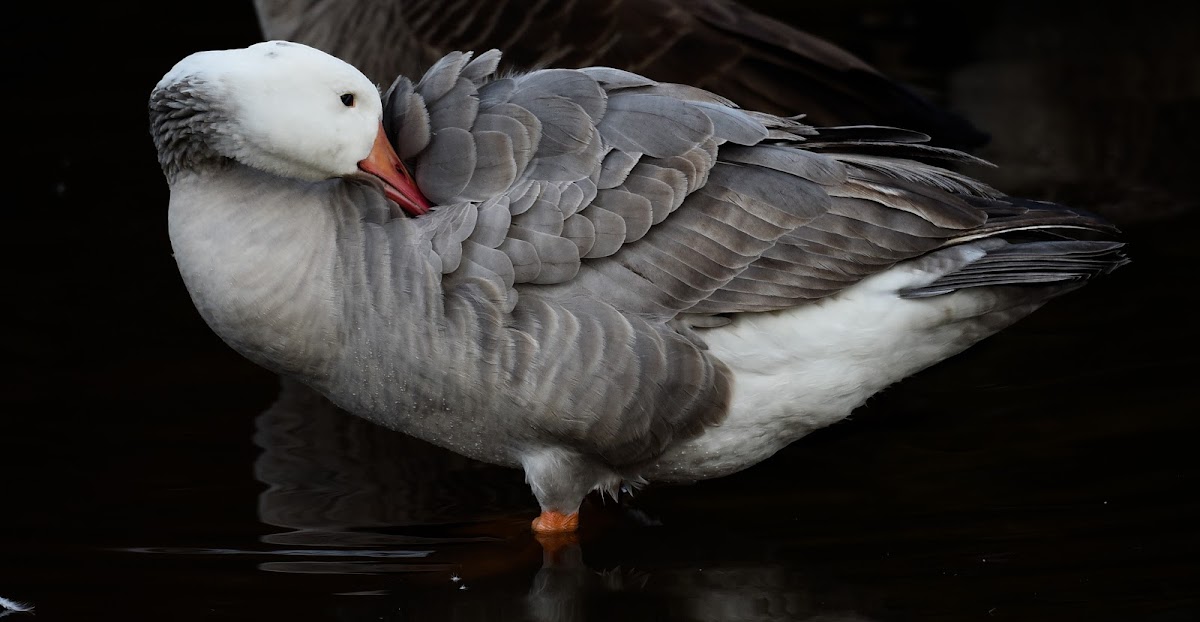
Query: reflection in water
x=341, y=483
x=332, y=473
x=8, y=607
x=350, y=489
x=566, y=589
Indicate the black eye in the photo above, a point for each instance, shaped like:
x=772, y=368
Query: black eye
x=348, y=99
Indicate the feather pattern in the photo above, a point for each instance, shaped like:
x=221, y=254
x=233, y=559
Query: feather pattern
x=778, y=212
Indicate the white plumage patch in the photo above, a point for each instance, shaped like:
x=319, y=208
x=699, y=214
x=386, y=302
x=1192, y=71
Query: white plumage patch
x=804, y=368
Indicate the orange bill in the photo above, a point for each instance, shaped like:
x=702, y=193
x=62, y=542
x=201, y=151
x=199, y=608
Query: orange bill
x=398, y=185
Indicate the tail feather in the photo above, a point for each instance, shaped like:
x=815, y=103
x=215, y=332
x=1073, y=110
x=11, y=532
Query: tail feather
x=1029, y=263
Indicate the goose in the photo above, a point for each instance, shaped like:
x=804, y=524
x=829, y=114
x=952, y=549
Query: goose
x=599, y=278
x=719, y=45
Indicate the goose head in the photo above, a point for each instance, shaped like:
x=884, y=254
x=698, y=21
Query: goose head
x=280, y=107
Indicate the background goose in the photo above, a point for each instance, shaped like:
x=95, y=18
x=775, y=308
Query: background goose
x=623, y=280
x=719, y=45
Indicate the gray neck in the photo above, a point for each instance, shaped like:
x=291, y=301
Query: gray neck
x=315, y=281
x=259, y=265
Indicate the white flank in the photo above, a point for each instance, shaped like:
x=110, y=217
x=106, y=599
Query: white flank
x=804, y=368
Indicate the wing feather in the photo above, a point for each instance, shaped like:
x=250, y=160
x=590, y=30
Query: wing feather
x=662, y=199
x=598, y=209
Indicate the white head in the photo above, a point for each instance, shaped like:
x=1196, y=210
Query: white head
x=286, y=108
x=281, y=107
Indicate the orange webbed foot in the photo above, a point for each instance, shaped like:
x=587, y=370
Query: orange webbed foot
x=556, y=522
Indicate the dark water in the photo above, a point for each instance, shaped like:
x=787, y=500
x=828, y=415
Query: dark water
x=1050, y=473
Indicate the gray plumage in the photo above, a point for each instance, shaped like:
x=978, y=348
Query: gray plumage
x=595, y=232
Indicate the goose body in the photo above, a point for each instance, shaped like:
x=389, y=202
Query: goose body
x=620, y=279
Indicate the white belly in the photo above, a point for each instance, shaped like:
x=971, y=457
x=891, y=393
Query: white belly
x=800, y=369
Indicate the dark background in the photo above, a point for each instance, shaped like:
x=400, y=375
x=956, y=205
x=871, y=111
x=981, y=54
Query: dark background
x=1048, y=473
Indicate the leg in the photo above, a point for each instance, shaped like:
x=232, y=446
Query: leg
x=560, y=480
x=550, y=522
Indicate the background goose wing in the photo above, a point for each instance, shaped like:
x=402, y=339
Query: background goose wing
x=719, y=45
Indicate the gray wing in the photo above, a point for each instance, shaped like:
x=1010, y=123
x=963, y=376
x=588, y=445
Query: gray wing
x=619, y=208
x=665, y=199
x=538, y=172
